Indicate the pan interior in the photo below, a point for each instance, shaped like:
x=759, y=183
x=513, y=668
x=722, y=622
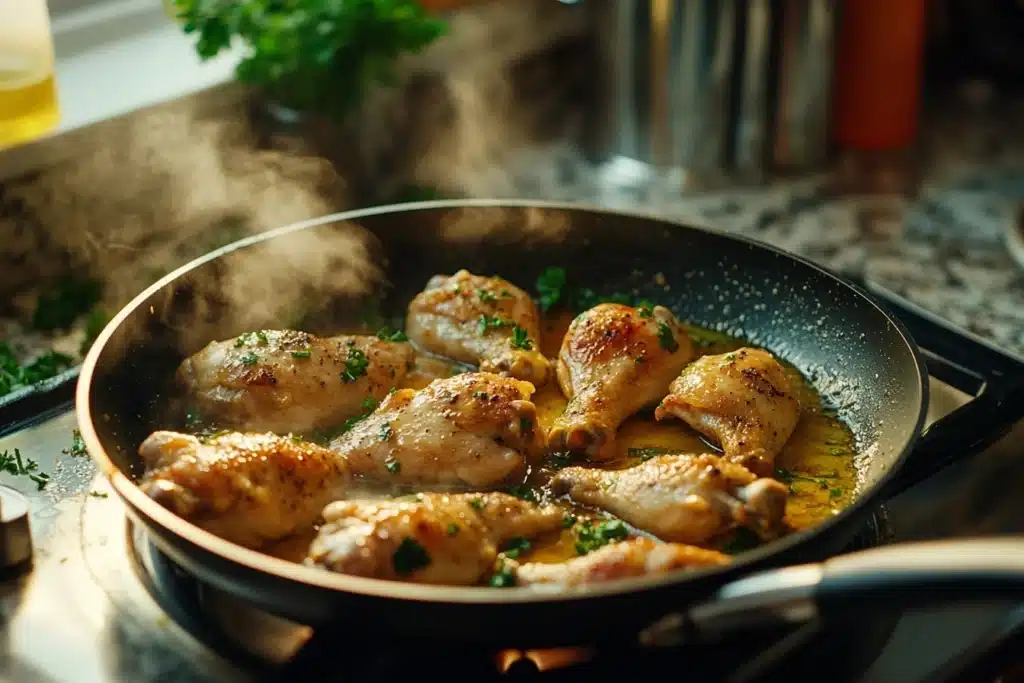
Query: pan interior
x=322, y=276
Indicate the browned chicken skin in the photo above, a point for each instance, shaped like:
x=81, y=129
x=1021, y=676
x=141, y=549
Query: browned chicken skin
x=682, y=498
x=429, y=538
x=287, y=381
x=247, y=488
x=475, y=429
x=484, y=321
x=614, y=361
x=743, y=400
x=625, y=559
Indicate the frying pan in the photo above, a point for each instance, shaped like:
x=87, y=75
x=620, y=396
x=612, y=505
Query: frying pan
x=860, y=358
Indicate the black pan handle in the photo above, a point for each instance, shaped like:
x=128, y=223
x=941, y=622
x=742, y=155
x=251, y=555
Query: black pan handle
x=971, y=364
x=894, y=578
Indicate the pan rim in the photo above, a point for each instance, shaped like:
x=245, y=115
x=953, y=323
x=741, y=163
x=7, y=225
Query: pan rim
x=252, y=560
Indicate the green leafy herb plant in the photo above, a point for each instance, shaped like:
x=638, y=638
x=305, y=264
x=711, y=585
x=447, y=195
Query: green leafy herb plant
x=317, y=56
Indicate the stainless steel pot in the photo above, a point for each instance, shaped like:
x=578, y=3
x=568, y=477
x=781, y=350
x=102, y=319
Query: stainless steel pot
x=715, y=88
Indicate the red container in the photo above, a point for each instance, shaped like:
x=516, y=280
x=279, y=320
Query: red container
x=878, y=73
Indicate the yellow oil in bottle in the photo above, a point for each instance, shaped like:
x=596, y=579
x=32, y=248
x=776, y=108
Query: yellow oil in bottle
x=28, y=94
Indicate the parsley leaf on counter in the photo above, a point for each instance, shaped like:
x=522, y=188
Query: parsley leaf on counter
x=13, y=463
x=77, y=448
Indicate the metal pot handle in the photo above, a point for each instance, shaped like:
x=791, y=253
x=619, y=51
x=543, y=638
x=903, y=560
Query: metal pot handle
x=895, y=578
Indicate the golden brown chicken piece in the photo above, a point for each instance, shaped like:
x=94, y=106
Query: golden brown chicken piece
x=743, y=400
x=615, y=360
x=286, y=381
x=624, y=559
x=247, y=488
x=485, y=321
x=428, y=538
x=681, y=498
x=475, y=429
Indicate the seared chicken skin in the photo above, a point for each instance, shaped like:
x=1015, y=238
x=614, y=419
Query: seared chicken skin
x=430, y=538
x=247, y=488
x=484, y=321
x=614, y=361
x=286, y=381
x=682, y=498
x=475, y=429
x=743, y=400
x=630, y=558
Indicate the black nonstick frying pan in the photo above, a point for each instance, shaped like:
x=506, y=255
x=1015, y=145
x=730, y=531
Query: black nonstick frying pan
x=860, y=358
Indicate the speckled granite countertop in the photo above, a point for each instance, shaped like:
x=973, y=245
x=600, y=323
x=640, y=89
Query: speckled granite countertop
x=943, y=250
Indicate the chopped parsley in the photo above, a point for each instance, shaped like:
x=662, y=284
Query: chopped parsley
x=485, y=296
x=590, y=535
x=523, y=492
x=516, y=547
x=645, y=309
x=303, y=353
x=568, y=521
x=355, y=365
x=248, y=338
x=389, y=335
x=550, y=285
x=392, y=466
x=98, y=494
x=647, y=452
x=491, y=322
x=520, y=340
x=503, y=577
x=666, y=338
x=409, y=557
x=820, y=480
x=250, y=358
x=77, y=448
x=369, y=405
x=452, y=529
x=386, y=432
x=482, y=395
x=13, y=463
x=477, y=503
x=14, y=375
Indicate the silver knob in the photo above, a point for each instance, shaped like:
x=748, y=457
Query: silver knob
x=15, y=535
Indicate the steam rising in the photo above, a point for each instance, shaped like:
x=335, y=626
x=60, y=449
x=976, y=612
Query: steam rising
x=275, y=283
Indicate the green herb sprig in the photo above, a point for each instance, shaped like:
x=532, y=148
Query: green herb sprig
x=311, y=55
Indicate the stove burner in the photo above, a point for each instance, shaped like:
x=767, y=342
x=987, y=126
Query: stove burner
x=259, y=642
